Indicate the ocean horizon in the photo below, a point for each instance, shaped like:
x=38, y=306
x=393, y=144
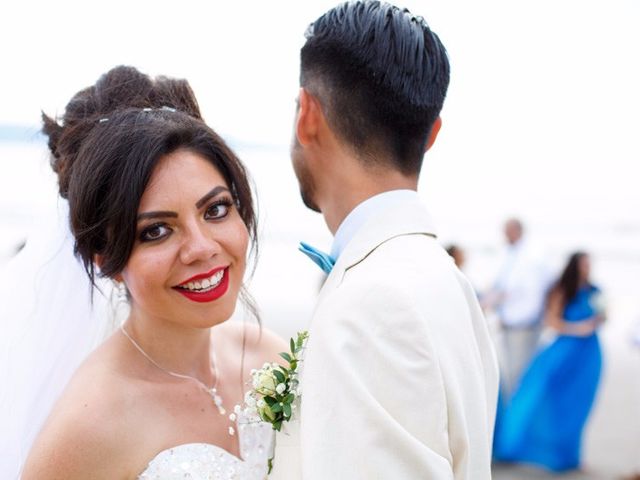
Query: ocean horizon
x=285, y=282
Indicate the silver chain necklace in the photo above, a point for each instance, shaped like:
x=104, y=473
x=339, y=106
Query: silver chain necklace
x=213, y=392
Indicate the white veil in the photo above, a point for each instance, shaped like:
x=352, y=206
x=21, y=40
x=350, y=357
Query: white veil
x=48, y=325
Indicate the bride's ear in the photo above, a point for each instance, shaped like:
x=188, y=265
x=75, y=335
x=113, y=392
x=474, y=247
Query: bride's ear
x=98, y=260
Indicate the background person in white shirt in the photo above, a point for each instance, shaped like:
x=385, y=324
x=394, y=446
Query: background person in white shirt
x=517, y=297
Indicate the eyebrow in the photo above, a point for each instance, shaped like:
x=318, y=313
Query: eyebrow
x=199, y=204
x=146, y=215
x=213, y=193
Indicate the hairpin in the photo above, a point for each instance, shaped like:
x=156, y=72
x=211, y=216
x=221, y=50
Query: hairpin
x=146, y=109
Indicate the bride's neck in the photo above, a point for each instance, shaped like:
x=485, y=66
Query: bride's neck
x=177, y=348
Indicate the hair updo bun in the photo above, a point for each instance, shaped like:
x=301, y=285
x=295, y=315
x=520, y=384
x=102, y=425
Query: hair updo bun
x=121, y=88
x=106, y=148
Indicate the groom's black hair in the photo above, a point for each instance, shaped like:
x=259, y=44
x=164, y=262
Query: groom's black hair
x=381, y=76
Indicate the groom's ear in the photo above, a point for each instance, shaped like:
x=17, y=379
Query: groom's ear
x=435, y=129
x=309, y=118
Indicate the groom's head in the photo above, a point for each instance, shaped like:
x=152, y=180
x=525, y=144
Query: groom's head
x=379, y=77
x=373, y=80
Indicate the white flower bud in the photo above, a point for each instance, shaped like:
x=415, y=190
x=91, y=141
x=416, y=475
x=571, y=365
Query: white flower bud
x=281, y=388
x=249, y=397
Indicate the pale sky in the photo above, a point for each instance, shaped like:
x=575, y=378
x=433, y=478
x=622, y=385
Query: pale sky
x=543, y=107
x=541, y=119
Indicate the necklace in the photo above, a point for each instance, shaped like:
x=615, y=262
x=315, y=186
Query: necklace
x=212, y=392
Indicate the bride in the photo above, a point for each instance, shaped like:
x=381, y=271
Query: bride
x=161, y=206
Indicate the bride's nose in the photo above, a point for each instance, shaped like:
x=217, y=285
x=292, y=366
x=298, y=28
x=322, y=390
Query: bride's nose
x=199, y=243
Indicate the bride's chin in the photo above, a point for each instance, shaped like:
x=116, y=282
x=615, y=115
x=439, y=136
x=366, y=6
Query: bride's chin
x=216, y=316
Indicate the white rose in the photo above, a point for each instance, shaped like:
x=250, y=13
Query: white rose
x=265, y=383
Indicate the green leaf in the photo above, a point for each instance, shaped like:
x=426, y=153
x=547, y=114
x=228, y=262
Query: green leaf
x=270, y=401
x=302, y=336
x=292, y=345
x=294, y=365
x=286, y=356
x=269, y=414
x=289, y=399
x=286, y=408
x=277, y=425
x=276, y=407
x=279, y=375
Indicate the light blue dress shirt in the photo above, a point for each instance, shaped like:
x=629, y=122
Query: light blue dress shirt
x=359, y=216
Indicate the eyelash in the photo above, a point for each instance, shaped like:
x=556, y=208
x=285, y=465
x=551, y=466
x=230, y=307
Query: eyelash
x=145, y=232
x=222, y=202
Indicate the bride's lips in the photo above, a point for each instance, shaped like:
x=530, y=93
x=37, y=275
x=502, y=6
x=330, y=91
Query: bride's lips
x=219, y=279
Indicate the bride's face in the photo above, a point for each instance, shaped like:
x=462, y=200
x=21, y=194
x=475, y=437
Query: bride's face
x=189, y=257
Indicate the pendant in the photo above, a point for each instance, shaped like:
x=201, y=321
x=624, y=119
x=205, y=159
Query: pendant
x=217, y=400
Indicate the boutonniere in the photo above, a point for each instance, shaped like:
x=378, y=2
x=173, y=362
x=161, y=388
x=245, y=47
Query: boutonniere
x=275, y=388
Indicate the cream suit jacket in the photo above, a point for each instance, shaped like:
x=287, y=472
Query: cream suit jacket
x=400, y=377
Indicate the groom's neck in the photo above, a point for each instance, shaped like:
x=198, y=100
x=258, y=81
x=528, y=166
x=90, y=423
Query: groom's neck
x=352, y=182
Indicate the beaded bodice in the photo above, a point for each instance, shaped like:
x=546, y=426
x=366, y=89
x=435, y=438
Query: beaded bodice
x=203, y=461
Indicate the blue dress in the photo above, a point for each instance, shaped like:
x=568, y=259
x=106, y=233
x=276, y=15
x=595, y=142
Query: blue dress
x=542, y=424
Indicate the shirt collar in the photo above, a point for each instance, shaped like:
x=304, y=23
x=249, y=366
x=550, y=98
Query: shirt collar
x=362, y=212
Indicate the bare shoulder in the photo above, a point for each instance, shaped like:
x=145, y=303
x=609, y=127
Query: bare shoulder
x=85, y=435
x=258, y=343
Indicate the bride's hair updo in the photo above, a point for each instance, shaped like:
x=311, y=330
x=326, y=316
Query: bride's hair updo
x=106, y=146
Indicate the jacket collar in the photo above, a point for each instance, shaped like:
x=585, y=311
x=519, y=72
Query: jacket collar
x=406, y=218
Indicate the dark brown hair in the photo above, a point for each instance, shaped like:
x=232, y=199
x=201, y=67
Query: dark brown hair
x=569, y=282
x=106, y=147
x=382, y=76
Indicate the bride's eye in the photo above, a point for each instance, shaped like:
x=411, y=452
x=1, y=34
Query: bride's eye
x=218, y=209
x=154, y=232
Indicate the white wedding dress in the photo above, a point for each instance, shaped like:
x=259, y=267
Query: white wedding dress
x=203, y=461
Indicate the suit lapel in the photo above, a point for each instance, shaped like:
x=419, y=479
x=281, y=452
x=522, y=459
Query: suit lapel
x=406, y=218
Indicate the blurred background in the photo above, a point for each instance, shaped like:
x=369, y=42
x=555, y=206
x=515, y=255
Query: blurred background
x=541, y=122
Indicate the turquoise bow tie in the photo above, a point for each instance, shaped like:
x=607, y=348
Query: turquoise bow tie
x=323, y=260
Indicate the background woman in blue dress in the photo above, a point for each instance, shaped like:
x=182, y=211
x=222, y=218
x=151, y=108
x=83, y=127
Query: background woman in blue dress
x=544, y=421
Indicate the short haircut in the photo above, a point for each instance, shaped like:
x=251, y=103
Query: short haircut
x=381, y=75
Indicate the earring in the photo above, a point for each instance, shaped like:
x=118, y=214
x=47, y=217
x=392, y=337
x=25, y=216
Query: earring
x=121, y=292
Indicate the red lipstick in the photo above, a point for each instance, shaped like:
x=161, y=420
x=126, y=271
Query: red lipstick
x=207, y=294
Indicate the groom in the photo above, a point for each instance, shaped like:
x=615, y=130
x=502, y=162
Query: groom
x=400, y=377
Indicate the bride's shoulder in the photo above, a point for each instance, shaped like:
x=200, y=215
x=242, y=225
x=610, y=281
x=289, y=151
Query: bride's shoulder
x=258, y=343
x=89, y=427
